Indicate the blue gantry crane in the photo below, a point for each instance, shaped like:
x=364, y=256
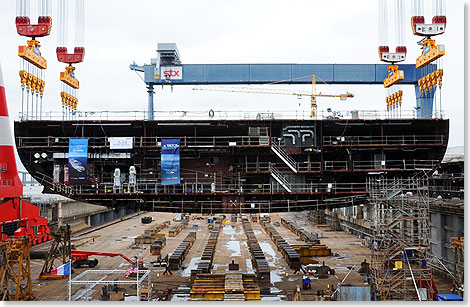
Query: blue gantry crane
x=167, y=69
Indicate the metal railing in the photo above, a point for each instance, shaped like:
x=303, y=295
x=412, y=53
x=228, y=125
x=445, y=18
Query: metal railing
x=263, y=167
x=147, y=142
x=335, y=165
x=229, y=115
x=396, y=164
x=383, y=140
x=198, y=188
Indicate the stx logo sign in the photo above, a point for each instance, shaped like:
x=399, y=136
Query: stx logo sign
x=171, y=73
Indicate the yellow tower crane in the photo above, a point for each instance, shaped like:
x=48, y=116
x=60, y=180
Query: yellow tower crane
x=313, y=94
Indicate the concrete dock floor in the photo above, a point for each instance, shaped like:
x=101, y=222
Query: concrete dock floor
x=347, y=251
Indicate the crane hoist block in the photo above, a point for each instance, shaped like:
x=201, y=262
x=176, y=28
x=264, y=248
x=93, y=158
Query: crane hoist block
x=431, y=52
x=70, y=58
x=68, y=77
x=394, y=76
x=24, y=28
x=69, y=100
x=420, y=28
x=394, y=99
x=398, y=56
x=32, y=54
x=32, y=82
x=431, y=80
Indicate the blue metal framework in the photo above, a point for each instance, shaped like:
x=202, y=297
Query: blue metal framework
x=200, y=74
x=231, y=74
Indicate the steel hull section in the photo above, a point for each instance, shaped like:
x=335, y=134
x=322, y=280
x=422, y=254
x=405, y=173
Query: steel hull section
x=225, y=164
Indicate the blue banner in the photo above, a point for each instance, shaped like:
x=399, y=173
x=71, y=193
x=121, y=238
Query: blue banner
x=170, y=161
x=78, y=154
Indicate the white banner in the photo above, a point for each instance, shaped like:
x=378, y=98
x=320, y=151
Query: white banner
x=56, y=174
x=121, y=142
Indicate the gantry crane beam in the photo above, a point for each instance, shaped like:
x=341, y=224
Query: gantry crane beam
x=168, y=69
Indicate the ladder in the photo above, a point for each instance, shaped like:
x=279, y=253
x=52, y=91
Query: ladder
x=284, y=155
x=280, y=178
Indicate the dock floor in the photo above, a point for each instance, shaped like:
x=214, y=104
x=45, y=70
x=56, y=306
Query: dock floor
x=347, y=251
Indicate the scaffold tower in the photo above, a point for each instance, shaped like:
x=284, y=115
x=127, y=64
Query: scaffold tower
x=401, y=242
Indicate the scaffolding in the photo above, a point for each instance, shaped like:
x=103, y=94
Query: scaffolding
x=3, y=273
x=18, y=270
x=401, y=244
x=91, y=278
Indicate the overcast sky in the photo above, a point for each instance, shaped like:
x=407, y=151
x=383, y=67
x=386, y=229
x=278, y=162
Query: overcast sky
x=119, y=32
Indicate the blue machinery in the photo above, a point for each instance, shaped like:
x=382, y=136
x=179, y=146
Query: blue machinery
x=167, y=69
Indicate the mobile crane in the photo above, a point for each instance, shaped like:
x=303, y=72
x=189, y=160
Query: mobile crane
x=80, y=258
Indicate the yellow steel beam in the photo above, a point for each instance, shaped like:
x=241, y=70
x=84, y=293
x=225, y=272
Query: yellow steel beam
x=32, y=54
x=394, y=76
x=431, y=52
x=68, y=78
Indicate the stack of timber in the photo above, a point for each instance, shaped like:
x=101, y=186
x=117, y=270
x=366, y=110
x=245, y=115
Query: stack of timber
x=289, y=254
x=157, y=245
x=150, y=234
x=225, y=287
x=176, y=229
x=178, y=256
x=233, y=285
x=258, y=259
x=205, y=265
x=313, y=248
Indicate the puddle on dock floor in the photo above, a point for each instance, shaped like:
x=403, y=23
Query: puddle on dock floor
x=249, y=266
x=216, y=267
x=268, y=251
x=235, y=247
x=272, y=298
x=180, y=297
x=191, y=266
x=276, y=274
x=229, y=229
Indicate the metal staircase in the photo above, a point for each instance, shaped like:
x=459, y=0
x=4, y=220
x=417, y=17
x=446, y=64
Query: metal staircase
x=280, y=178
x=284, y=156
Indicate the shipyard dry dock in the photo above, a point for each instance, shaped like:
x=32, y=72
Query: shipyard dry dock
x=237, y=270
